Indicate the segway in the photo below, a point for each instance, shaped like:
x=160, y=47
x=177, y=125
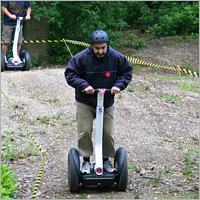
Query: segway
x=12, y=63
x=98, y=177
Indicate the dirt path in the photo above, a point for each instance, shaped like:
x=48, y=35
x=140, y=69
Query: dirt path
x=160, y=135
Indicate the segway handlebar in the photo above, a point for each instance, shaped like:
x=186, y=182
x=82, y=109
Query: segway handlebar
x=21, y=18
x=100, y=90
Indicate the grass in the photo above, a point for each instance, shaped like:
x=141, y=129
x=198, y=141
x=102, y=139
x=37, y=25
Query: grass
x=171, y=170
x=187, y=84
x=171, y=97
x=174, y=78
x=13, y=150
x=44, y=119
x=189, y=87
x=136, y=69
x=130, y=89
x=51, y=120
x=191, y=168
x=57, y=116
x=31, y=122
x=184, y=195
x=154, y=180
x=53, y=101
x=134, y=167
x=182, y=38
x=145, y=89
x=172, y=40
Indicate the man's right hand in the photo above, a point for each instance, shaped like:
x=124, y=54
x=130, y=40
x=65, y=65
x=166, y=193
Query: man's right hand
x=89, y=90
x=28, y=17
x=13, y=17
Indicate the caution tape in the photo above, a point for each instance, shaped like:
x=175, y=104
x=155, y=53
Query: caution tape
x=180, y=69
x=131, y=59
x=55, y=41
x=40, y=174
x=41, y=169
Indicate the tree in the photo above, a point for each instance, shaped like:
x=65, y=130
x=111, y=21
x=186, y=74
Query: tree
x=38, y=28
x=76, y=20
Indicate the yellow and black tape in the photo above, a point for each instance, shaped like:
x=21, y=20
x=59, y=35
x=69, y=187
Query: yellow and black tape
x=131, y=59
x=137, y=61
x=55, y=41
x=40, y=174
x=41, y=170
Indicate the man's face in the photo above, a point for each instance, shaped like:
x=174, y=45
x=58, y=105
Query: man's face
x=100, y=49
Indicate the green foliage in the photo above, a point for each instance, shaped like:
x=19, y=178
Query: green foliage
x=171, y=18
x=76, y=20
x=132, y=41
x=60, y=53
x=46, y=9
x=172, y=97
x=136, y=69
x=34, y=63
x=140, y=44
x=189, y=87
x=11, y=148
x=134, y=11
x=8, y=185
x=191, y=168
x=130, y=89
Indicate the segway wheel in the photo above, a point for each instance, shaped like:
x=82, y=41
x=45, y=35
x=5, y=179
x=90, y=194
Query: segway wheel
x=2, y=62
x=73, y=170
x=122, y=168
x=25, y=57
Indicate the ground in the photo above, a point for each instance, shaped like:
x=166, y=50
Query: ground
x=156, y=121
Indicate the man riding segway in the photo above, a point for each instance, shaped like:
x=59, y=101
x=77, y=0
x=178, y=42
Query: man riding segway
x=98, y=66
x=13, y=16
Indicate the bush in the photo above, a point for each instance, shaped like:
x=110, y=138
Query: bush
x=171, y=18
x=8, y=187
x=80, y=20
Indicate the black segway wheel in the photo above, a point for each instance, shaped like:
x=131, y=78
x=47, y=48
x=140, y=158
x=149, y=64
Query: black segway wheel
x=25, y=57
x=122, y=168
x=2, y=62
x=73, y=170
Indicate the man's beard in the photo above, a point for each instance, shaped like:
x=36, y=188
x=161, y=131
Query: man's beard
x=100, y=56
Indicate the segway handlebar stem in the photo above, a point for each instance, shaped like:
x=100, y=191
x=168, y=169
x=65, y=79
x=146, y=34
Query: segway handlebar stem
x=98, y=167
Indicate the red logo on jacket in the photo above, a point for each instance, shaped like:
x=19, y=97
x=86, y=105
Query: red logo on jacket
x=108, y=74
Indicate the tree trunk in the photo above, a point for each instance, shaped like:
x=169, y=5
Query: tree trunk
x=37, y=30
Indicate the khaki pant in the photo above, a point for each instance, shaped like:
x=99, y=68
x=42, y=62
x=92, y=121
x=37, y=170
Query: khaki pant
x=7, y=34
x=85, y=115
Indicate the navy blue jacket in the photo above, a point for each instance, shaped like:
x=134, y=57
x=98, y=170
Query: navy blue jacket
x=15, y=8
x=85, y=69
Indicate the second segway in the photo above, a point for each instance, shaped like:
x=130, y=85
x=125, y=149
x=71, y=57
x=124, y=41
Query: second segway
x=13, y=63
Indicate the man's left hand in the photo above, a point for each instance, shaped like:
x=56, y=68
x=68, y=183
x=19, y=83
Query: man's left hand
x=28, y=17
x=115, y=90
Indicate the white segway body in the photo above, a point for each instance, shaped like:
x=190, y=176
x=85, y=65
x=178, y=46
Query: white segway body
x=12, y=63
x=98, y=176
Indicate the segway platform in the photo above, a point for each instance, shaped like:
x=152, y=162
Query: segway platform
x=12, y=67
x=106, y=179
x=118, y=178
